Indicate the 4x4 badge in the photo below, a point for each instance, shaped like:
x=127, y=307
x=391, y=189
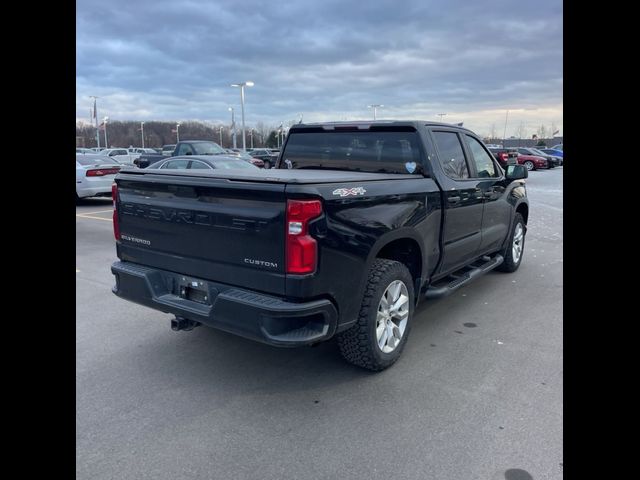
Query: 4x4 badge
x=345, y=192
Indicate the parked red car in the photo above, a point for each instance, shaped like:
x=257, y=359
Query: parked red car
x=531, y=162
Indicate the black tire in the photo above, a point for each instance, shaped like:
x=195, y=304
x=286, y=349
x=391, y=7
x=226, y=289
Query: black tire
x=529, y=165
x=358, y=345
x=510, y=264
x=78, y=199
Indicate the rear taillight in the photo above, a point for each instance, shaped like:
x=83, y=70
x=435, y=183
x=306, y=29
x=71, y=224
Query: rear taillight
x=503, y=155
x=101, y=172
x=116, y=225
x=302, y=248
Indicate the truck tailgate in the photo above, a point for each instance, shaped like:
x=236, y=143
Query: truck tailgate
x=210, y=228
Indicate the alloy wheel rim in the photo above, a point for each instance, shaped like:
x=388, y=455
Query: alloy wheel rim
x=529, y=165
x=518, y=243
x=392, y=316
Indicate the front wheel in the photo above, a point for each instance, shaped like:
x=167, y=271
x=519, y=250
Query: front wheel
x=529, y=165
x=514, y=250
x=377, y=339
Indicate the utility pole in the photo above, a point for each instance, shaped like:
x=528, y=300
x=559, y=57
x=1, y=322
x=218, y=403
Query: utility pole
x=142, y=132
x=441, y=115
x=221, y=127
x=95, y=115
x=178, y=132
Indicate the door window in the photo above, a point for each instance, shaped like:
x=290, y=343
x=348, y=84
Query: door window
x=178, y=164
x=451, y=155
x=484, y=163
x=199, y=165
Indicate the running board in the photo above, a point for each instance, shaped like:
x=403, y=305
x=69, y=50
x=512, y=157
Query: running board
x=456, y=281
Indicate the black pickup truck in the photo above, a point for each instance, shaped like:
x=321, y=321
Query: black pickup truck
x=356, y=224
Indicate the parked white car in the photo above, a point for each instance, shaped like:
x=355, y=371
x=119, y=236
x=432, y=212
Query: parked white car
x=94, y=175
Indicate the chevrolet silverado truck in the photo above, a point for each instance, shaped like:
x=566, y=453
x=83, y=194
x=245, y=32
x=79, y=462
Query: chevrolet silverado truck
x=357, y=223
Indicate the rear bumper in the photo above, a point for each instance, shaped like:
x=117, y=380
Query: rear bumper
x=253, y=315
x=94, y=191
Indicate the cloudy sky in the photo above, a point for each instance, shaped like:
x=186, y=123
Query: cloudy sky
x=325, y=59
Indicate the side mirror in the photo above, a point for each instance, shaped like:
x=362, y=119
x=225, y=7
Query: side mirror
x=516, y=172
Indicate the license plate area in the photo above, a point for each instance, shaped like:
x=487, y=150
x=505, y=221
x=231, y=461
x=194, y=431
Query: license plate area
x=194, y=290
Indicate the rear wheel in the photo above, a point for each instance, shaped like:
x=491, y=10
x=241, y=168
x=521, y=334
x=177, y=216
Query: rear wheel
x=377, y=339
x=529, y=165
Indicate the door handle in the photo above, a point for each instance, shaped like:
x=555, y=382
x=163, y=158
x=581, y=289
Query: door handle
x=454, y=200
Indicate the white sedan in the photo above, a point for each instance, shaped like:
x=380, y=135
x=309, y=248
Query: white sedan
x=94, y=175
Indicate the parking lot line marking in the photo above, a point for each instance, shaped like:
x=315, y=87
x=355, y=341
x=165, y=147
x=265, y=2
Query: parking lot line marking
x=93, y=213
x=95, y=218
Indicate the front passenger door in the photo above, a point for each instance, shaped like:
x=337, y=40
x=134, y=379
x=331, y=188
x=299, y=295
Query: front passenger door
x=496, y=215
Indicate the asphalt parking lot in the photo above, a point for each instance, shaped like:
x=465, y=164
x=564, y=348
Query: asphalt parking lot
x=477, y=393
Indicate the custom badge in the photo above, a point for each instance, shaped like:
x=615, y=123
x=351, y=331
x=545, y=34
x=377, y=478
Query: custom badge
x=410, y=166
x=345, y=192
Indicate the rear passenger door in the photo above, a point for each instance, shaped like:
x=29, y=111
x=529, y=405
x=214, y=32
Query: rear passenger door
x=462, y=200
x=496, y=215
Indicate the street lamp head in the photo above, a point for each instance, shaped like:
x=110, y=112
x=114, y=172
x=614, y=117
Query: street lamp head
x=249, y=84
x=230, y=109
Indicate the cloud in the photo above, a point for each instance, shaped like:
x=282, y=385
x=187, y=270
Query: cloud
x=174, y=60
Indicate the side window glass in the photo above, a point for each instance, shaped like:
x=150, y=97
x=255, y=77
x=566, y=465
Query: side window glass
x=179, y=164
x=451, y=155
x=484, y=164
x=199, y=165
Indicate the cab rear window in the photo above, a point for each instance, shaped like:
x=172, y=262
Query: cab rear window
x=355, y=150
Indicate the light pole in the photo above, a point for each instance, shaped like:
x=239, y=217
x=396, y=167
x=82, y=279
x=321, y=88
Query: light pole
x=178, y=131
x=375, y=107
x=251, y=136
x=441, y=115
x=142, y=132
x=106, y=143
x=242, y=85
x=233, y=127
x=221, y=127
x=504, y=134
x=95, y=115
